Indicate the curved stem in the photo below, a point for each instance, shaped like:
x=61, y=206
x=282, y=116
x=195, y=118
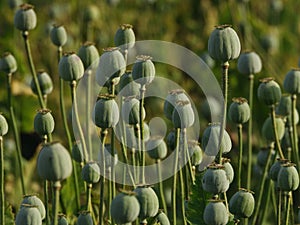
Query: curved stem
x=240, y=139
x=32, y=69
x=2, y=200
x=249, y=134
x=142, y=90
x=15, y=131
x=55, y=207
x=161, y=188
x=225, y=67
x=277, y=141
x=175, y=176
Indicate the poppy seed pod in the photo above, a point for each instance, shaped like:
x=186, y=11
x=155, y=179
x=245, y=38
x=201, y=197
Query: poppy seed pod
x=124, y=37
x=289, y=120
x=284, y=107
x=267, y=129
x=143, y=70
x=228, y=169
x=70, y=67
x=291, y=82
x=90, y=13
x=111, y=65
x=45, y=82
x=127, y=87
x=269, y=91
x=148, y=200
x=195, y=151
x=8, y=63
x=106, y=112
x=34, y=200
x=262, y=156
x=170, y=102
x=224, y=44
x=131, y=111
x=25, y=18
x=58, y=35
x=241, y=204
x=85, y=218
x=89, y=55
x=162, y=219
x=146, y=132
x=183, y=115
x=44, y=122
x=239, y=111
x=215, y=213
x=171, y=140
x=54, y=162
x=77, y=152
x=125, y=208
x=275, y=168
x=90, y=173
x=249, y=63
x=62, y=220
x=3, y=125
x=156, y=148
x=28, y=215
x=288, y=177
x=215, y=180
x=210, y=140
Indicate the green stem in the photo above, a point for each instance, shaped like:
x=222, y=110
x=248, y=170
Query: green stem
x=15, y=131
x=266, y=204
x=182, y=199
x=55, y=207
x=46, y=200
x=113, y=152
x=279, y=207
x=225, y=67
x=88, y=115
x=142, y=91
x=277, y=141
x=125, y=157
x=32, y=69
x=89, y=197
x=249, y=134
x=287, y=219
x=2, y=194
x=240, y=140
x=175, y=177
x=161, y=187
x=295, y=135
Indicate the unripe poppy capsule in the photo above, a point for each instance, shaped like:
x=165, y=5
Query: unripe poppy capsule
x=183, y=115
x=62, y=220
x=89, y=55
x=170, y=102
x=241, y=204
x=85, y=218
x=124, y=37
x=288, y=177
x=284, y=107
x=58, y=35
x=70, y=67
x=44, y=122
x=90, y=172
x=34, y=200
x=3, y=125
x=28, y=215
x=228, y=169
x=215, y=213
x=45, y=82
x=143, y=71
x=8, y=63
x=25, y=18
x=131, y=111
x=268, y=127
x=239, y=111
x=291, y=83
x=77, y=152
x=269, y=91
x=156, y=148
x=275, y=168
x=127, y=86
x=249, y=63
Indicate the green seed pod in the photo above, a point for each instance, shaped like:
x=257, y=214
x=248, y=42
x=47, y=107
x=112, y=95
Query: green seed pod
x=228, y=169
x=210, y=140
x=162, y=219
x=211, y=108
x=288, y=177
x=90, y=173
x=25, y=18
x=156, y=148
x=262, y=156
x=91, y=13
x=44, y=122
x=267, y=129
x=34, y=200
x=215, y=213
x=58, y=35
x=270, y=42
x=85, y=218
x=8, y=63
x=3, y=125
x=284, y=107
x=89, y=55
x=131, y=111
x=249, y=63
x=125, y=208
x=28, y=215
x=195, y=151
x=289, y=120
x=208, y=60
x=70, y=67
x=62, y=220
x=215, y=180
x=111, y=66
x=148, y=200
x=54, y=162
x=275, y=168
x=224, y=44
x=143, y=70
x=269, y=91
x=124, y=37
x=170, y=102
x=127, y=87
x=183, y=115
x=106, y=112
x=171, y=140
x=241, y=204
x=45, y=83
x=239, y=111
x=291, y=83
x=77, y=152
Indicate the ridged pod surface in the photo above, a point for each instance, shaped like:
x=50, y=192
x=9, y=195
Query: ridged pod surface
x=269, y=91
x=25, y=18
x=249, y=63
x=215, y=213
x=241, y=204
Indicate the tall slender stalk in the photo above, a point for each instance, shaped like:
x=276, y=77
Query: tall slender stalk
x=88, y=115
x=15, y=131
x=279, y=207
x=277, y=141
x=182, y=197
x=89, y=197
x=142, y=91
x=295, y=135
x=161, y=187
x=2, y=199
x=46, y=200
x=240, y=140
x=287, y=218
x=249, y=134
x=175, y=177
x=55, y=206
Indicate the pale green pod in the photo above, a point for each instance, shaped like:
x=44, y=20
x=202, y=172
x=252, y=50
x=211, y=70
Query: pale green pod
x=25, y=18
x=77, y=152
x=195, y=152
x=291, y=82
x=91, y=172
x=275, y=168
x=241, y=204
x=44, y=122
x=58, y=35
x=215, y=213
x=85, y=218
x=183, y=115
x=34, y=200
x=173, y=97
x=162, y=219
x=3, y=125
x=262, y=156
x=28, y=215
x=70, y=67
x=125, y=37
x=288, y=177
x=62, y=220
x=239, y=111
x=45, y=82
x=284, y=108
x=8, y=63
x=89, y=55
x=269, y=91
x=127, y=86
x=267, y=129
x=143, y=70
x=228, y=169
x=156, y=148
x=249, y=63
x=131, y=111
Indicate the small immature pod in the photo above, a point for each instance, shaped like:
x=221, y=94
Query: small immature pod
x=239, y=111
x=45, y=82
x=275, y=168
x=224, y=43
x=291, y=83
x=284, y=107
x=267, y=129
x=70, y=67
x=62, y=220
x=8, y=63
x=131, y=111
x=3, y=125
x=91, y=172
x=143, y=70
x=25, y=18
x=269, y=91
x=44, y=122
x=89, y=55
x=28, y=215
x=156, y=148
x=85, y=218
x=195, y=151
x=241, y=204
x=91, y=13
x=215, y=213
x=288, y=177
x=249, y=63
x=34, y=200
x=125, y=37
x=170, y=102
x=171, y=140
x=127, y=86
x=183, y=115
x=162, y=219
x=58, y=35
